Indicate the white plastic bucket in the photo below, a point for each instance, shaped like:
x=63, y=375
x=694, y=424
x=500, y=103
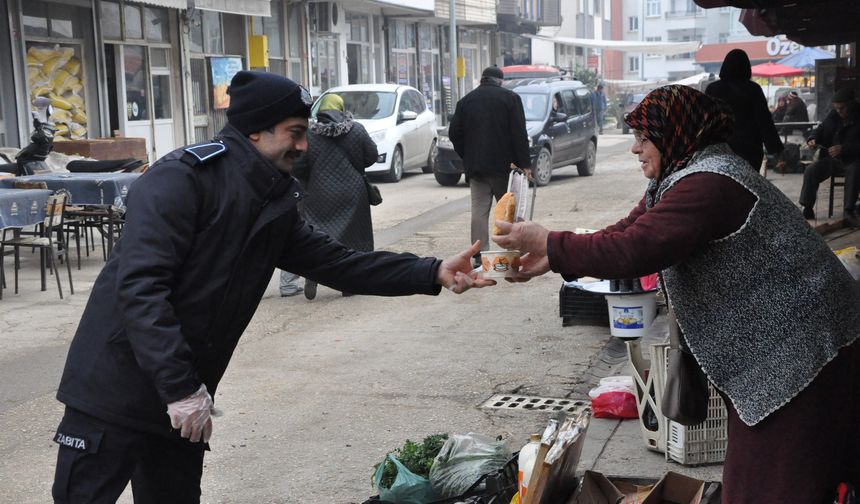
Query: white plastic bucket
x=630, y=315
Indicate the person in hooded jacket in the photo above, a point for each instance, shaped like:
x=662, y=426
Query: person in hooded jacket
x=206, y=226
x=332, y=171
x=753, y=121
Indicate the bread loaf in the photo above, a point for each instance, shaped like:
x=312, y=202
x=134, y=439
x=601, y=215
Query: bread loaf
x=506, y=210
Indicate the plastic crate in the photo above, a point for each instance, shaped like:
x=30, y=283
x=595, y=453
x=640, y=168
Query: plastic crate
x=698, y=444
x=578, y=306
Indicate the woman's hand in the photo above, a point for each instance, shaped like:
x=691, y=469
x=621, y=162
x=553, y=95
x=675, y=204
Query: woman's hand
x=455, y=273
x=531, y=265
x=527, y=237
x=530, y=239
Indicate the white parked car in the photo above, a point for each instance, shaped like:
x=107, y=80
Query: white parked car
x=398, y=120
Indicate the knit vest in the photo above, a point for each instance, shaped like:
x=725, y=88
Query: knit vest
x=765, y=308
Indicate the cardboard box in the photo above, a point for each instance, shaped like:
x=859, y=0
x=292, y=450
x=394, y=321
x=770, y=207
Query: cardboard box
x=105, y=148
x=596, y=489
x=676, y=489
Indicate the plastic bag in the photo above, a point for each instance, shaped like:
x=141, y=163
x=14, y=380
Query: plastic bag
x=614, y=397
x=408, y=487
x=464, y=458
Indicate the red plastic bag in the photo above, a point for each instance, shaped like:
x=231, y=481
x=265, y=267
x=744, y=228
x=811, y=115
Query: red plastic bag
x=649, y=282
x=614, y=398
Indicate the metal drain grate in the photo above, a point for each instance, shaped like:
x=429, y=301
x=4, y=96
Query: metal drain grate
x=531, y=403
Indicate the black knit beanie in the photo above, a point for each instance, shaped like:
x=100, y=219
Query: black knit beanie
x=260, y=100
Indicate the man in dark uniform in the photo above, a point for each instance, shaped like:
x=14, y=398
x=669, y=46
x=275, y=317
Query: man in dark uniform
x=488, y=131
x=206, y=227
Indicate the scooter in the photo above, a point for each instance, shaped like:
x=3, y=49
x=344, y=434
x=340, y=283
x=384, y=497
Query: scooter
x=31, y=159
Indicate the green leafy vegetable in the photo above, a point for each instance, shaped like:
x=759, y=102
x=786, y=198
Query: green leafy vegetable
x=418, y=458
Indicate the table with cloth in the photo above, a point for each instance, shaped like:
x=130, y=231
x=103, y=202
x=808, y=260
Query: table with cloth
x=20, y=208
x=97, y=197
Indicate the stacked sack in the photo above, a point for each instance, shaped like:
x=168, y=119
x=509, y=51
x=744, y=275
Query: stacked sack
x=54, y=73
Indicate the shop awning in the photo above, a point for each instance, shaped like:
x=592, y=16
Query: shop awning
x=173, y=4
x=243, y=7
x=625, y=45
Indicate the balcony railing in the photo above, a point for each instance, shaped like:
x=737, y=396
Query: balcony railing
x=685, y=13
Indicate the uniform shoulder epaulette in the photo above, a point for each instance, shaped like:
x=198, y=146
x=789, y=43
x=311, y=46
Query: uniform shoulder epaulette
x=204, y=153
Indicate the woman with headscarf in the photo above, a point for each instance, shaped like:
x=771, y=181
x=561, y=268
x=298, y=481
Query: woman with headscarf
x=764, y=306
x=332, y=171
x=753, y=121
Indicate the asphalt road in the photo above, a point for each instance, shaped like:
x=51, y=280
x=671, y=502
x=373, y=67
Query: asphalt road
x=318, y=391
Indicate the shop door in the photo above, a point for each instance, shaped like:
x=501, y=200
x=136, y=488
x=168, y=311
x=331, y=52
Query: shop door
x=147, y=107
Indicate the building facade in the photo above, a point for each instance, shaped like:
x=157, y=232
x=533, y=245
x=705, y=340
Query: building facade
x=159, y=69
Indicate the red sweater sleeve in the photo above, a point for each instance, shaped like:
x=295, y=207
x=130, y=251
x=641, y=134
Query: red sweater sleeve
x=698, y=209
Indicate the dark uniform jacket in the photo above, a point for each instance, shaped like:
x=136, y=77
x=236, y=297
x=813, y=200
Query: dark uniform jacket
x=488, y=131
x=199, y=247
x=834, y=130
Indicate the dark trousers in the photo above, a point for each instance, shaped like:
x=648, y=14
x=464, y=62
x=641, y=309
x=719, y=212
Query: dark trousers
x=97, y=459
x=820, y=171
x=802, y=451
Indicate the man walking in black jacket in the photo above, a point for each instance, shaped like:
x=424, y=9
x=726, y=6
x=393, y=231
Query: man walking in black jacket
x=838, y=138
x=488, y=131
x=206, y=227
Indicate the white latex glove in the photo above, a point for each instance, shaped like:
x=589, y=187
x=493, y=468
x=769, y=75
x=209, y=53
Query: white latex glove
x=191, y=415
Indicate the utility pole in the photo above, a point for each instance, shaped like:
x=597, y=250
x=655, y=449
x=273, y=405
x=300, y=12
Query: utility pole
x=452, y=51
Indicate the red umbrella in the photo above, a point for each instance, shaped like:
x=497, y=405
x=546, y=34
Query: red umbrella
x=775, y=70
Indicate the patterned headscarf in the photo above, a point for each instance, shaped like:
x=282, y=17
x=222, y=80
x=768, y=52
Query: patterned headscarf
x=680, y=120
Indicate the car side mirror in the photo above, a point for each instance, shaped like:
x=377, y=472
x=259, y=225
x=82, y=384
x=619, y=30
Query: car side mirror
x=559, y=116
x=407, y=115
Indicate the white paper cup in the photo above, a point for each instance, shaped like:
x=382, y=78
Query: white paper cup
x=499, y=263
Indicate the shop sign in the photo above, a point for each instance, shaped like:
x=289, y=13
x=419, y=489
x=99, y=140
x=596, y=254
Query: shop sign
x=779, y=47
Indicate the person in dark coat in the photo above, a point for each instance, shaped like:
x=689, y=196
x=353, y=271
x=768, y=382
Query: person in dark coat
x=795, y=108
x=837, y=140
x=488, y=132
x=332, y=171
x=753, y=122
x=206, y=227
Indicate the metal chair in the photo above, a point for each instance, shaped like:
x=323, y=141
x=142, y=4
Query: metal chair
x=44, y=242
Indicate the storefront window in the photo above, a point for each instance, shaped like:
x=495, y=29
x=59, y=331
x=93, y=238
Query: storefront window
x=212, y=39
x=136, y=78
x=35, y=20
x=156, y=24
x=51, y=20
x=233, y=34
x=133, y=26
x=161, y=96
x=196, y=35
x=111, y=25
x=54, y=72
x=62, y=21
x=294, y=30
